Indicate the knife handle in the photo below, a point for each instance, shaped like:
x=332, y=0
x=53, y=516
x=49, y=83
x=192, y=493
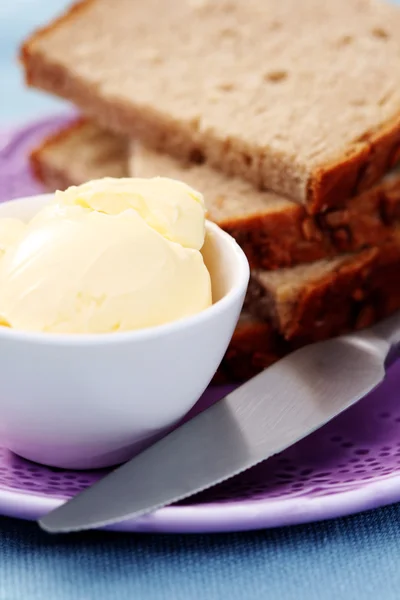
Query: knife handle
x=389, y=331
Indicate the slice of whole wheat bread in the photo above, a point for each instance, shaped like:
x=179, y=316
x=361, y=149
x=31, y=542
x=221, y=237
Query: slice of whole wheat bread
x=289, y=308
x=329, y=297
x=273, y=231
x=80, y=151
x=301, y=97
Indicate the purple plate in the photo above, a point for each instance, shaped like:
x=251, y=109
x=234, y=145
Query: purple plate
x=350, y=465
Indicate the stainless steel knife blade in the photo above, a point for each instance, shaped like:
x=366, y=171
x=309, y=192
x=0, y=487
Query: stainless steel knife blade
x=269, y=413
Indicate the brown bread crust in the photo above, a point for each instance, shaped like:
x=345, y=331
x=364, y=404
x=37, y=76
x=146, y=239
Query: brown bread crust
x=329, y=185
x=291, y=237
x=276, y=239
x=358, y=292
x=75, y=9
x=368, y=161
x=42, y=169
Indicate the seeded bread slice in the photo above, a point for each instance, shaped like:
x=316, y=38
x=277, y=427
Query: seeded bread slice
x=273, y=231
x=301, y=97
x=289, y=308
x=329, y=297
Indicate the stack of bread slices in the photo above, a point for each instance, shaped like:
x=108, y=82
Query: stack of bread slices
x=285, y=114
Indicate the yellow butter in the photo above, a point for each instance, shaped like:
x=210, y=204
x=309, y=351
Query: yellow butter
x=110, y=255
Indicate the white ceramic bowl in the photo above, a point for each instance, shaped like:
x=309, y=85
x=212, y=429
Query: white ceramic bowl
x=87, y=401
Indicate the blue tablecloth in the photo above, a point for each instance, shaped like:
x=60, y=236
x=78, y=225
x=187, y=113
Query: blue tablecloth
x=356, y=558
x=348, y=559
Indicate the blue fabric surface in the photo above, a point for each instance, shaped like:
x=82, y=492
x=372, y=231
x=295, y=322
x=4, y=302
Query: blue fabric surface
x=356, y=558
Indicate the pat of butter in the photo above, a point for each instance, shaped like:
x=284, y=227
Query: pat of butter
x=110, y=255
x=170, y=207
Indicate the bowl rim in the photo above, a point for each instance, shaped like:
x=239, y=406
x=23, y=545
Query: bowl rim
x=242, y=275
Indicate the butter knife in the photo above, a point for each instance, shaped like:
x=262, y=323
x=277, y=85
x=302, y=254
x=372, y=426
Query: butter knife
x=266, y=415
